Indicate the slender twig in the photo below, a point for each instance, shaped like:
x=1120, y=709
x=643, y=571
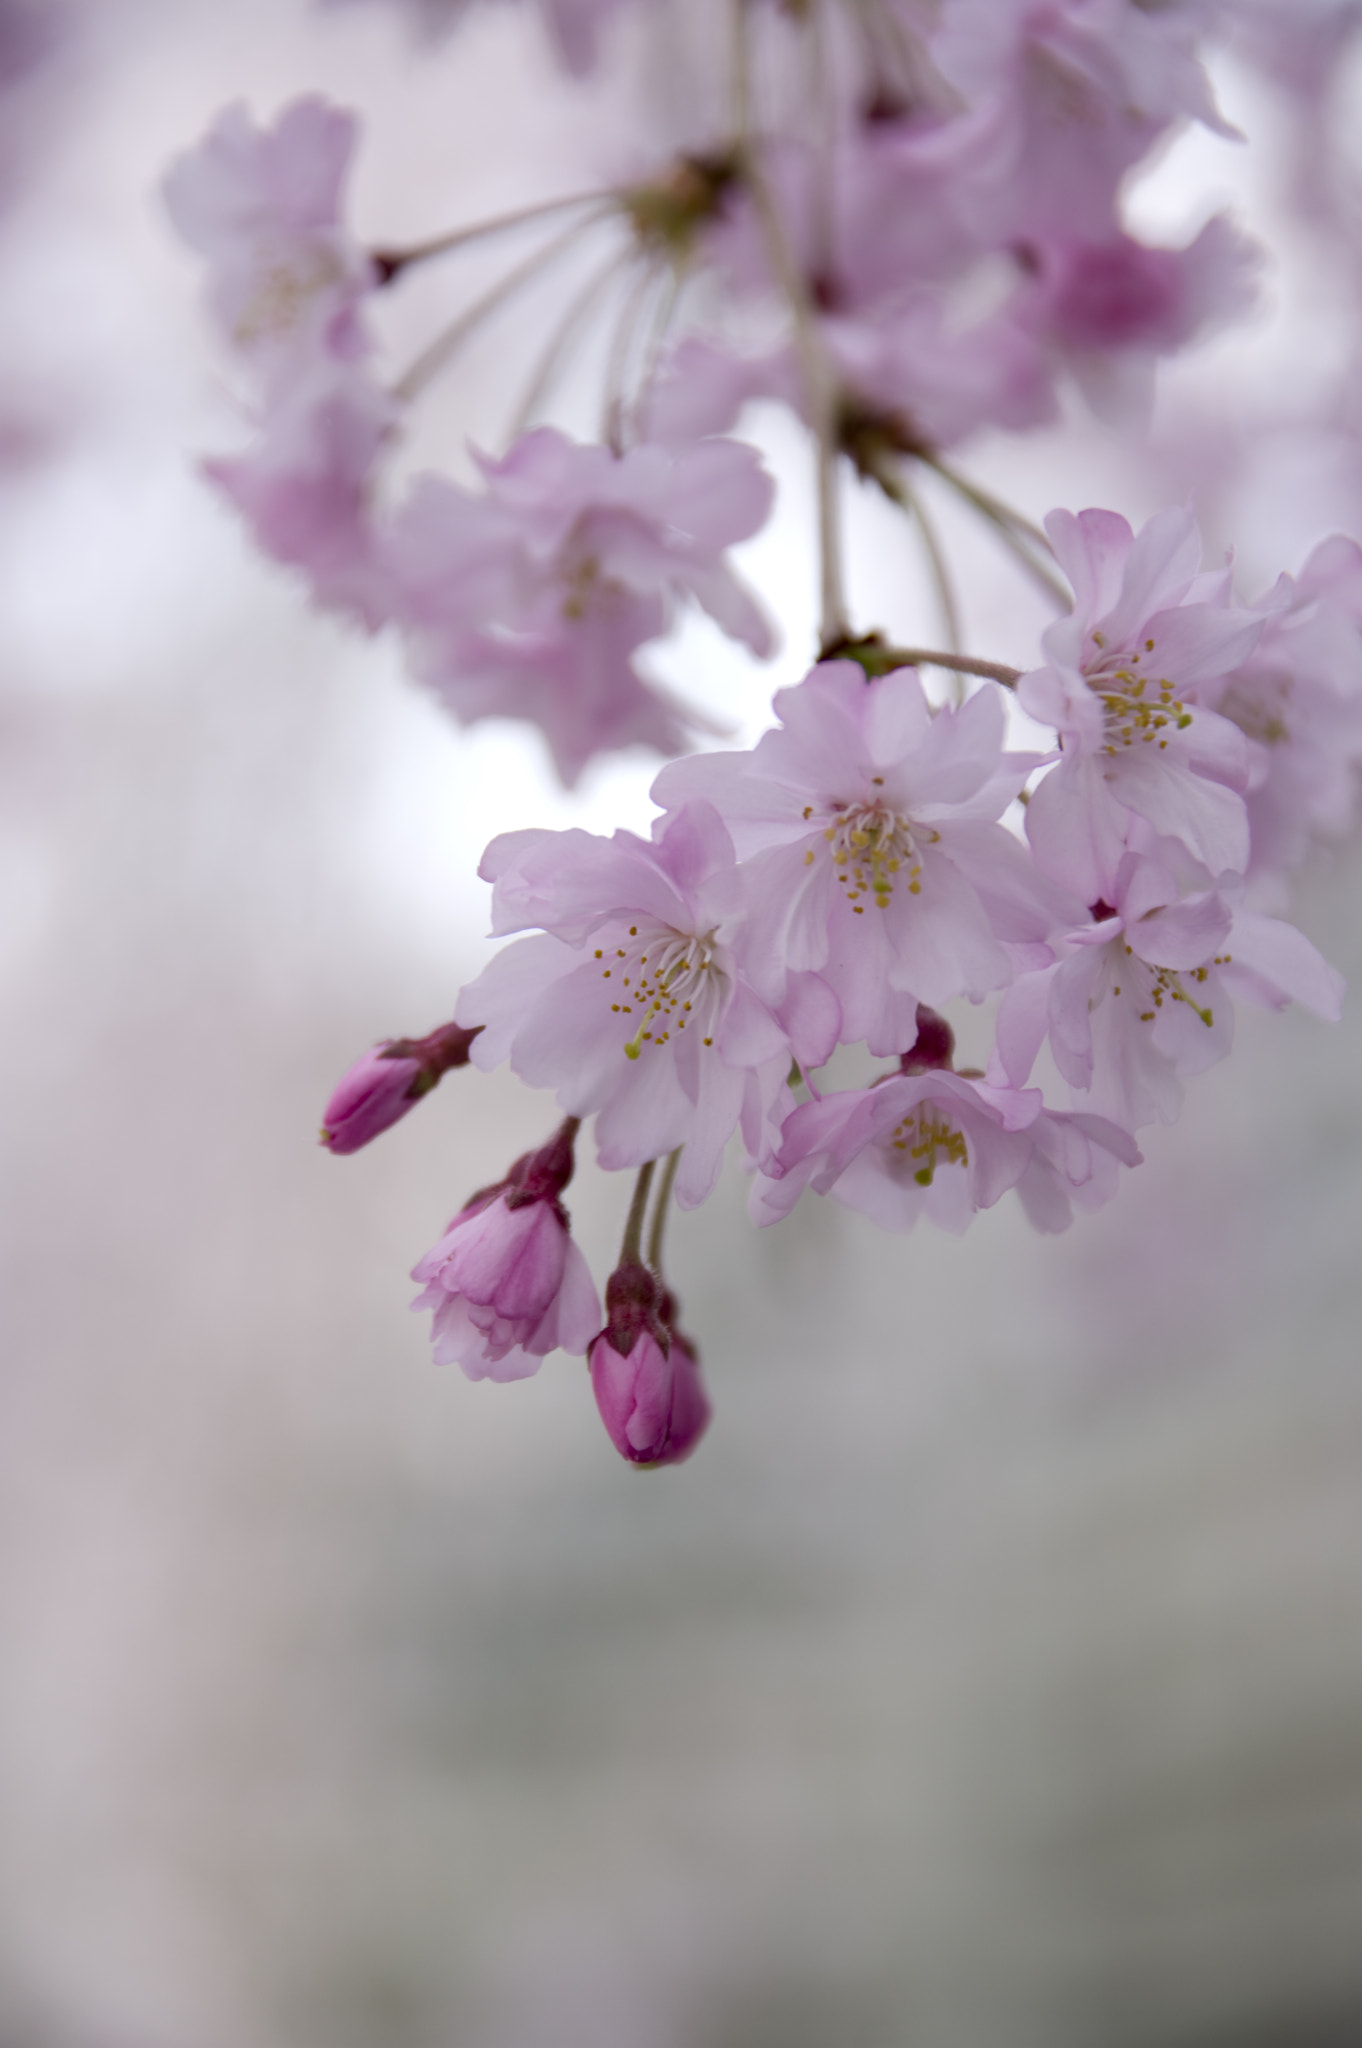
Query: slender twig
x=660, y=1210
x=878, y=659
x=391, y=261
x=631, y=1246
x=936, y=561
x=988, y=501
x=963, y=664
x=820, y=391
x=564, y=335
x=1017, y=533
x=823, y=120
x=617, y=368
x=433, y=359
x=663, y=315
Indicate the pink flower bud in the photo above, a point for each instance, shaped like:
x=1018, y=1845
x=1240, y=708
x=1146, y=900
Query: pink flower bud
x=506, y=1282
x=646, y=1375
x=379, y=1089
x=934, y=1046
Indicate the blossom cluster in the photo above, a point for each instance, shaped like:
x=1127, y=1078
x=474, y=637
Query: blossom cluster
x=945, y=250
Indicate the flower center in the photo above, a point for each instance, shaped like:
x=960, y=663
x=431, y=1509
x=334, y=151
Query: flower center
x=1139, y=709
x=665, y=981
x=872, y=848
x=1155, y=986
x=286, y=289
x=922, y=1137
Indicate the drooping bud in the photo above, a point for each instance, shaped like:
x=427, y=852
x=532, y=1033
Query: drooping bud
x=645, y=1374
x=506, y=1282
x=389, y=1080
x=934, y=1047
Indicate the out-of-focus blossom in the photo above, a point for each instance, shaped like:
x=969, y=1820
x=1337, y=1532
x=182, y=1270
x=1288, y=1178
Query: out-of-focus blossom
x=532, y=600
x=1110, y=310
x=506, y=1282
x=1144, y=997
x=263, y=207
x=645, y=1374
x=305, y=487
x=1065, y=97
x=1299, y=700
x=941, y=1145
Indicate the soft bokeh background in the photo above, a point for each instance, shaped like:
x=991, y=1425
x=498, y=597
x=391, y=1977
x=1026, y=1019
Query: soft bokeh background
x=991, y=1679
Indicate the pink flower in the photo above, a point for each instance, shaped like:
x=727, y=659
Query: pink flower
x=908, y=358
x=636, y=1004
x=874, y=855
x=1127, y=684
x=304, y=488
x=1298, y=699
x=264, y=208
x=532, y=600
x=1110, y=309
x=1067, y=96
x=381, y=1087
x=1144, y=997
x=645, y=1374
x=941, y=1145
x=506, y=1282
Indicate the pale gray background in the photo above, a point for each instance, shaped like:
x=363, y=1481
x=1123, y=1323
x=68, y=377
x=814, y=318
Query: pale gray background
x=993, y=1676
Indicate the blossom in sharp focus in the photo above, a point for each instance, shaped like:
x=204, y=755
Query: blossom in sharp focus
x=872, y=852
x=506, y=1282
x=1128, y=684
x=635, y=1003
x=531, y=600
x=645, y=1374
x=263, y=207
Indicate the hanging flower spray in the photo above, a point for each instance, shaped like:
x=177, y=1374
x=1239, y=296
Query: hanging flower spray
x=883, y=852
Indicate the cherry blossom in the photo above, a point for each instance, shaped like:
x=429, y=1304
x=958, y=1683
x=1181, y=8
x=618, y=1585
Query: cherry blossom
x=382, y=1086
x=942, y=1145
x=1144, y=996
x=645, y=1374
x=532, y=600
x=506, y=1282
x=635, y=1004
x=1126, y=685
x=263, y=206
x=872, y=851
x=1299, y=701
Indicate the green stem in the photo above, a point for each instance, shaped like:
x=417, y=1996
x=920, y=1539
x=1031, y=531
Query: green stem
x=660, y=1211
x=815, y=371
x=433, y=359
x=391, y=261
x=877, y=659
x=631, y=1248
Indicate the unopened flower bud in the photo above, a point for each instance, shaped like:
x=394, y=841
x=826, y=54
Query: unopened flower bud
x=506, y=1282
x=645, y=1374
x=379, y=1089
x=934, y=1047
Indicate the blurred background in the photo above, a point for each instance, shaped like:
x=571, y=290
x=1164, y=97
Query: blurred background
x=992, y=1678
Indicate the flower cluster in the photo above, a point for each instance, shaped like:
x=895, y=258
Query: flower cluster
x=943, y=250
